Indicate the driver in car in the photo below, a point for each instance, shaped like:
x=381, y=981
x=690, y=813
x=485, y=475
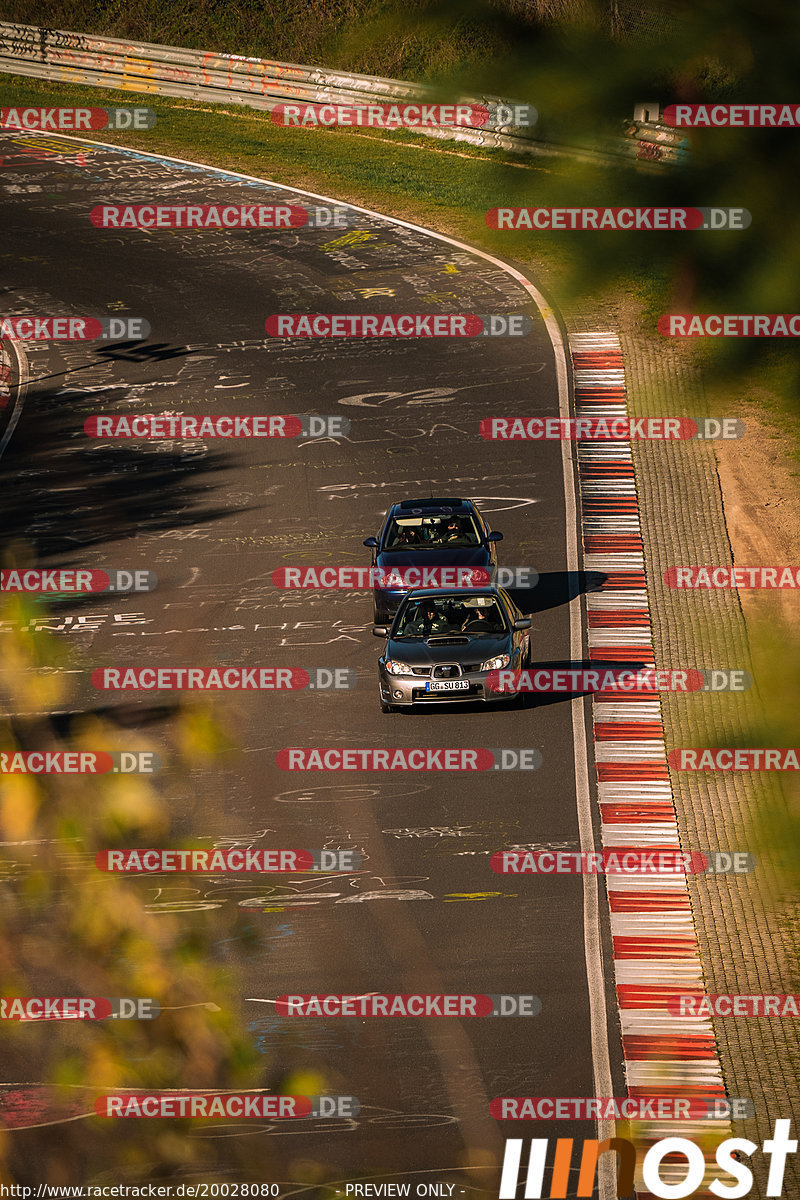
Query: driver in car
x=453, y=532
x=482, y=620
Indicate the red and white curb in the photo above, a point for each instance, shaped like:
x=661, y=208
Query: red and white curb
x=656, y=953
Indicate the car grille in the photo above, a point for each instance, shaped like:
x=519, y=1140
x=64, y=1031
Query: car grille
x=466, y=669
x=446, y=671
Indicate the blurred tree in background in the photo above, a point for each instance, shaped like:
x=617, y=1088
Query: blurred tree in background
x=585, y=65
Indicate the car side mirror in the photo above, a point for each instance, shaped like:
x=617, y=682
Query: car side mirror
x=383, y=630
x=370, y=543
x=523, y=623
x=495, y=536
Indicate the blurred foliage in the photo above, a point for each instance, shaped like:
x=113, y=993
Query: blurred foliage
x=69, y=929
x=585, y=73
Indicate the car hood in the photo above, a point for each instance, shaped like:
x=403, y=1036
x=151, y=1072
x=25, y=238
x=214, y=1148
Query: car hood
x=459, y=649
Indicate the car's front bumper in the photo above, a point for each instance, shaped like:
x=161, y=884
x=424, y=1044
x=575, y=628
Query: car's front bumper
x=385, y=603
x=402, y=691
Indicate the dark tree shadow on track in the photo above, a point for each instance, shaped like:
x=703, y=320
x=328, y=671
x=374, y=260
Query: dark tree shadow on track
x=31, y=733
x=124, y=716
x=124, y=352
x=64, y=491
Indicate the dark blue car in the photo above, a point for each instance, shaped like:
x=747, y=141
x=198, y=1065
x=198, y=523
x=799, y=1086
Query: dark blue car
x=441, y=533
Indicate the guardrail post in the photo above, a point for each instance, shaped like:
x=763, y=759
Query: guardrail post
x=647, y=112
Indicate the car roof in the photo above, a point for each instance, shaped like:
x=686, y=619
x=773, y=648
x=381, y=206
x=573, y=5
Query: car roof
x=461, y=593
x=432, y=506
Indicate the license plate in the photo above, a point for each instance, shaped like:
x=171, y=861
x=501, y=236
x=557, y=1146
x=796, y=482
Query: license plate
x=447, y=685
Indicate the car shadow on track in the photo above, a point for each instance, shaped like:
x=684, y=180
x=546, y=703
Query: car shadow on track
x=544, y=699
x=555, y=588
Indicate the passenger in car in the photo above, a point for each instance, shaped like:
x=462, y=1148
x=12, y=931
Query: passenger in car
x=429, y=620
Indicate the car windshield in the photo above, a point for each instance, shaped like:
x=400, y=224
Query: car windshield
x=436, y=532
x=449, y=616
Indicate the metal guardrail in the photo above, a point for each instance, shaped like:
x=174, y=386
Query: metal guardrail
x=148, y=68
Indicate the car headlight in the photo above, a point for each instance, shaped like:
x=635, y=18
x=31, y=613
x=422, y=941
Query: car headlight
x=495, y=664
x=398, y=668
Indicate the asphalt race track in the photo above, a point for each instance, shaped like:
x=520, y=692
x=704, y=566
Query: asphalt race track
x=214, y=520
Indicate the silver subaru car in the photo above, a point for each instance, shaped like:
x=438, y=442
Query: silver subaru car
x=442, y=644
